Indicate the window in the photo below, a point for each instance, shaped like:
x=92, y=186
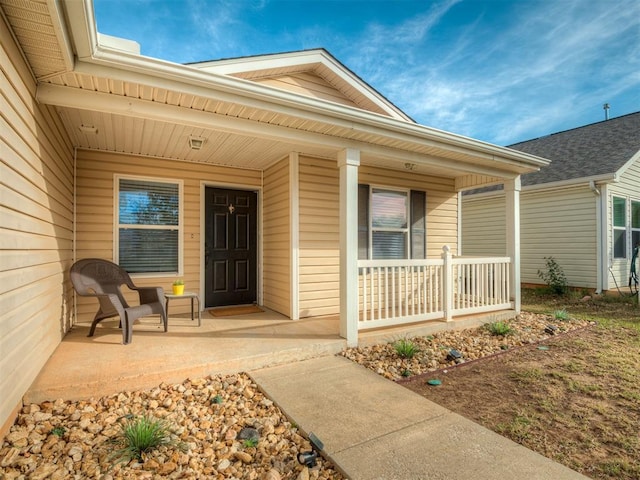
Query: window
x=619, y=227
x=149, y=225
x=391, y=223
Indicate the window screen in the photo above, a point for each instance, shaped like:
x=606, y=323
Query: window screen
x=148, y=226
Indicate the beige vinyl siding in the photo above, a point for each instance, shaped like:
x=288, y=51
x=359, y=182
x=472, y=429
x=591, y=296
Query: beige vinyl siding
x=629, y=188
x=475, y=181
x=484, y=226
x=562, y=224
x=95, y=209
x=36, y=235
x=310, y=85
x=319, y=250
x=558, y=223
x=319, y=225
x=276, y=239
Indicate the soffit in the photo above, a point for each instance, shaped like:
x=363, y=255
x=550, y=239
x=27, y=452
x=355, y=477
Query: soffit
x=419, y=150
x=34, y=27
x=170, y=140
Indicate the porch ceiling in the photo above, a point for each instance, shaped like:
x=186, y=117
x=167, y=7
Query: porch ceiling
x=155, y=119
x=163, y=139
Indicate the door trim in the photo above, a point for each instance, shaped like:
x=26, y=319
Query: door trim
x=233, y=186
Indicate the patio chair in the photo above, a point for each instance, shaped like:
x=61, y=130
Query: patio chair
x=95, y=277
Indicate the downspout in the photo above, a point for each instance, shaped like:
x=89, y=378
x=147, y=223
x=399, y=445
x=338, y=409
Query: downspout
x=74, y=252
x=599, y=218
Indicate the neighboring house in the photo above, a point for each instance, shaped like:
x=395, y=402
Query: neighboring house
x=240, y=176
x=583, y=209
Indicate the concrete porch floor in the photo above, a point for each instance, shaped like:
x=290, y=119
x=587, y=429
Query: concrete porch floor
x=85, y=367
x=90, y=367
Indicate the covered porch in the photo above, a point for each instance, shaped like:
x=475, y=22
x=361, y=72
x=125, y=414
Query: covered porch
x=382, y=292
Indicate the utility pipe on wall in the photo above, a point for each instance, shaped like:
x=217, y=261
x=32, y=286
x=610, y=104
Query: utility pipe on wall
x=599, y=223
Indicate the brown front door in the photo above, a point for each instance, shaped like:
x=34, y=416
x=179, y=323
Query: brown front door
x=231, y=241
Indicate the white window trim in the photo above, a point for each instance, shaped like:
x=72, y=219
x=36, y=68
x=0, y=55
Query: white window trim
x=406, y=230
x=631, y=227
x=624, y=228
x=116, y=221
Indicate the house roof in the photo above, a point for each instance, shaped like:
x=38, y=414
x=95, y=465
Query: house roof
x=138, y=105
x=596, y=150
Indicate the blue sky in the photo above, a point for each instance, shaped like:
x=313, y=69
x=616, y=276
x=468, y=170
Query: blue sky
x=496, y=70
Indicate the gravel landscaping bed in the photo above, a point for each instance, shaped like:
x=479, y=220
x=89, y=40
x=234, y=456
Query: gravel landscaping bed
x=433, y=351
x=74, y=440
x=210, y=417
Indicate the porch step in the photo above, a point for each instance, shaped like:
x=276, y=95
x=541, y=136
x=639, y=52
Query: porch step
x=83, y=367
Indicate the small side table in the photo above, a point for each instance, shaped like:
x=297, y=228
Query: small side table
x=192, y=295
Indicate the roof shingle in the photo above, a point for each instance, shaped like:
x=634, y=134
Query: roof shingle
x=596, y=149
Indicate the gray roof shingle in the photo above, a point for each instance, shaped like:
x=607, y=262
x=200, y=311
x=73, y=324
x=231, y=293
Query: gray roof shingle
x=596, y=149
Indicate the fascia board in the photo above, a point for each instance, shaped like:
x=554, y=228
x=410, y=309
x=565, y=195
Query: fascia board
x=82, y=27
x=607, y=178
x=232, y=66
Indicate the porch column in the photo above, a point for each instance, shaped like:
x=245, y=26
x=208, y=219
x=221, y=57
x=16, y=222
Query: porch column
x=512, y=198
x=348, y=163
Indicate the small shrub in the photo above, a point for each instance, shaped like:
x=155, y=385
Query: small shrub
x=554, y=276
x=406, y=372
x=405, y=348
x=217, y=399
x=499, y=328
x=141, y=435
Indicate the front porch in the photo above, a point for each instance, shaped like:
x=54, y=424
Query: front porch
x=83, y=367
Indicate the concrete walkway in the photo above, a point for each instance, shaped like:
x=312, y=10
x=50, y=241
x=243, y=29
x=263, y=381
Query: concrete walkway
x=374, y=429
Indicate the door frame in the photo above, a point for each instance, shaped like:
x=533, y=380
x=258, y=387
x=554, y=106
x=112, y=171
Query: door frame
x=233, y=186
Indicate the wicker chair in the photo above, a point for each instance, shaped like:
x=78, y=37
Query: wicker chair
x=95, y=277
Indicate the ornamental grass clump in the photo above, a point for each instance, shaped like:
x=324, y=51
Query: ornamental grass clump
x=405, y=348
x=141, y=435
x=561, y=315
x=499, y=329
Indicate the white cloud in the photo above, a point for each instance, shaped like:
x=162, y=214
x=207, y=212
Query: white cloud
x=501, y=83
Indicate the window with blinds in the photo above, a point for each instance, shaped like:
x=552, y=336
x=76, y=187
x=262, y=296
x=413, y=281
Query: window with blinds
x=391, y=223
x=619, y=227
x=149, y=226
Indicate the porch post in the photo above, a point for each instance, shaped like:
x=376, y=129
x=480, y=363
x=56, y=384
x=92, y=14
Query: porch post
x=447, y=283
x=348, y=163
x=512, y=198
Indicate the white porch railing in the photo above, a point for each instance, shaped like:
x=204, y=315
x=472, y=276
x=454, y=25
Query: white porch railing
x=393, y=292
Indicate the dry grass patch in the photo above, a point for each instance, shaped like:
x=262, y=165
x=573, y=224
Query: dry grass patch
x=577, y=402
